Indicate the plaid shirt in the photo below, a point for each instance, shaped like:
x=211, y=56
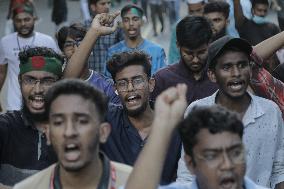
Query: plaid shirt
x=265, y=85
x=98, y=56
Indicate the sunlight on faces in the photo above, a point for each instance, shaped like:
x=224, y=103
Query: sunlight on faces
x=218, y=160
x=135, y=99
x=75, y=131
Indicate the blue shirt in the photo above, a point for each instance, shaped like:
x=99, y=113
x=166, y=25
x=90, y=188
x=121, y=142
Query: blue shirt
x=105, y=86
x=249, y=184
x=124, y=143
x=156, y=53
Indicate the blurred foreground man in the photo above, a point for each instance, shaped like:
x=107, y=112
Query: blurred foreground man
x=76, y=112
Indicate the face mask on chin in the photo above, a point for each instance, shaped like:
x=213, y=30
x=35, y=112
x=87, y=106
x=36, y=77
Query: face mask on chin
x=259, y=19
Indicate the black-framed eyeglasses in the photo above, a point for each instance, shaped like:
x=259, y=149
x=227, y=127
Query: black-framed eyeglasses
x=70, y=43
x=137, y=82
x=46, y=82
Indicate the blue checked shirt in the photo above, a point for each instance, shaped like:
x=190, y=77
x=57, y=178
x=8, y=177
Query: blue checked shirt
x=97, y=59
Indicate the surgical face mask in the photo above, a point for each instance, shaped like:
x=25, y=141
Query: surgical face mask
x=259, y=19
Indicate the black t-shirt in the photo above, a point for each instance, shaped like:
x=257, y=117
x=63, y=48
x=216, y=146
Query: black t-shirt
x=23, y=149
x=255, y=33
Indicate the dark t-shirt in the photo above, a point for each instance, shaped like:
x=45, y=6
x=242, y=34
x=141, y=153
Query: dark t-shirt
x=179, y=73
x=255, y=33
x=124, y=144
x=23, y=149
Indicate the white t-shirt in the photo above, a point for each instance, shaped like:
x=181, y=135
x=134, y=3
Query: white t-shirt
x=10, y=46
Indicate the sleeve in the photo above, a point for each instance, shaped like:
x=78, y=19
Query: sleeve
x=183, y=174
x=277, y=175
x=3, y=58
x=120, y=35
x=4, y=134
x=160, y=61
x=159, y=85
x=265, y=85
x=109, y=54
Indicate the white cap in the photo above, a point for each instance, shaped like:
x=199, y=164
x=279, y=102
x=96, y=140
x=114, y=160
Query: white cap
x=194, y=1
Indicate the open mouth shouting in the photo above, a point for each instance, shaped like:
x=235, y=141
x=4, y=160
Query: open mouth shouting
x=72, y=151
x=36, y=102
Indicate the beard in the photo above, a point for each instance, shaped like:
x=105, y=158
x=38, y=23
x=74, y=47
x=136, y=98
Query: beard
x=33, y=117
x=220, y=34
x=137, y=112
x=25, y=35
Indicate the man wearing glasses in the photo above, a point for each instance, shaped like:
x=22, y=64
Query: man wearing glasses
x=131, y=122
x=229, y=67
x=212, y=139
x=193, y=37
x=23, y=149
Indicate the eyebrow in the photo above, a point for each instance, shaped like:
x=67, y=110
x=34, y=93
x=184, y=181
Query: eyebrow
x=221, y=149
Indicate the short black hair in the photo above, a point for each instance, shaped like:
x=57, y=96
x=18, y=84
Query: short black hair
x=254, y=2
x=80, y=88
x=28, y=52
x=121, y=60
x=75, y=31
x=215, y=118
x=193, y=31
x=126, y=8
x=93, y=1
x=217, y=6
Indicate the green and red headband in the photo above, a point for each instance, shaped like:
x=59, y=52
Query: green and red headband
x=20, y=8
x=41, y=63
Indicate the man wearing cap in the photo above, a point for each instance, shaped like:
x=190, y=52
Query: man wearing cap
x=23, y=149
x=10, y=45
x=229, y=67
x=132, y=22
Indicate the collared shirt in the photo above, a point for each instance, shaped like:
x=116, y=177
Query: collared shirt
x=124, y=143
x=248, y=184
x=105, y=86
x=97, y=60
x=23, y=149
x=265, y=85
x=263, y=138
x=156, y=53
x=179, y=73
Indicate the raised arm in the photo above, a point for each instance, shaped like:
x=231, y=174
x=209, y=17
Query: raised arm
x=102, y=24
x=238, y=14
x=169, y=109
x=268, y=47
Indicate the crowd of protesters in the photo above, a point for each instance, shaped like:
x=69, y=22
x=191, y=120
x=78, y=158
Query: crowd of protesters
x=101, y=106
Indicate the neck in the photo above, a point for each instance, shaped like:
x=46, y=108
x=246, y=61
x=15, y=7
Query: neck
x=41, y=126
x=238, y=105
x=197, y=76
x=144, y=120
x=133, y=43
x=26, y=36
x=89, y=176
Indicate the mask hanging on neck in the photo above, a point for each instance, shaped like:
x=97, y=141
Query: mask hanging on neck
x=259, y=19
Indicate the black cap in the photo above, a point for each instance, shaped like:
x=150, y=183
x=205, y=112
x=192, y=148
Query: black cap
x=217, y=48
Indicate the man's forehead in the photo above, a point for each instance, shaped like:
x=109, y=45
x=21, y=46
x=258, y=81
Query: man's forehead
x=39, y=74
x=223, y=140
x=23, y=15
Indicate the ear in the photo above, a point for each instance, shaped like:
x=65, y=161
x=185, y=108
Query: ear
x=189, y=163
x=47, y=134
x=227, y=22
x=105, y=129
x=211, y=75
x=151, y=84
